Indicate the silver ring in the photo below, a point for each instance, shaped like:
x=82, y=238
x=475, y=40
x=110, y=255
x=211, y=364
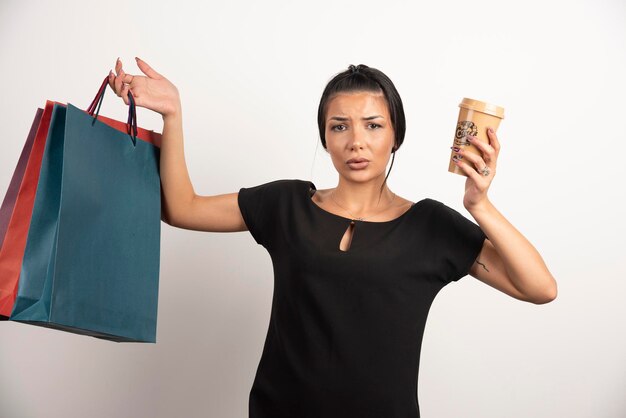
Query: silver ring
x=485, y=171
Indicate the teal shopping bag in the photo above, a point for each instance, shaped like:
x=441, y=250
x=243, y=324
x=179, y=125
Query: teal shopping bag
x=91, y=262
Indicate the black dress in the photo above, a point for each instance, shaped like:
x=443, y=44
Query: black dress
x=346, y=327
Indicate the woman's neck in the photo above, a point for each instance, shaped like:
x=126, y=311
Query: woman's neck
x=362, y=198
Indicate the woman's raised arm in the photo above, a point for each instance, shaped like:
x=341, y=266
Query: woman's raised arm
x=181, y=206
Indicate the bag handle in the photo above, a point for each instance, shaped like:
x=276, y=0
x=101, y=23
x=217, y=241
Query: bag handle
x=131, y=124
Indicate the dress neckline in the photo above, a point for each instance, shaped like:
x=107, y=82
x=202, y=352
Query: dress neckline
x=309, y=197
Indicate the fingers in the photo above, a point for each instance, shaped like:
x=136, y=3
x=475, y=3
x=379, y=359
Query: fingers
x=472, y=164
x=146, y=69
x=469, y=171
x=118, y=66
x=112, y=83
x=126, y=78
x=493, y=140
x=471, y=159
x=124, y=93
x=120, y=83
x=488, y=152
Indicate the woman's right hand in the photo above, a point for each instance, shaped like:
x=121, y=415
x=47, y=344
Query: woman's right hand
x=152, y=91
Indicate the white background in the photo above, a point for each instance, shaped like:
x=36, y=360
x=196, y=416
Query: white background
x=250, y=75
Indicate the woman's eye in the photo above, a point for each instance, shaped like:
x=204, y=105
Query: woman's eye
x=336, y=127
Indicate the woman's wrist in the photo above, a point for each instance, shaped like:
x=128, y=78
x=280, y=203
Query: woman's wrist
x=174, y=113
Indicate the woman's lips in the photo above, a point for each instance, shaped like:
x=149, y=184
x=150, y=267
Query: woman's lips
x=358, y=166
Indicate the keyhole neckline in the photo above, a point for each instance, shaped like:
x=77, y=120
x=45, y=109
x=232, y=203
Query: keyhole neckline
x=309, y=197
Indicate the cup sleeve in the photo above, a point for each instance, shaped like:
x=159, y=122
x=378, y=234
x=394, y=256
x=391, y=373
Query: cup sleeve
x=461, y=241
x=259, y=209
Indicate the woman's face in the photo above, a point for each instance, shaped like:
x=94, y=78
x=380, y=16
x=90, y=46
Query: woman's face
x=358, y=125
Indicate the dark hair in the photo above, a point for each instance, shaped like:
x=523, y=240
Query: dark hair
x=367, y=79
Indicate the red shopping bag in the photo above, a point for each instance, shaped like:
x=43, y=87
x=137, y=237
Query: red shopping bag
x=20, y=197
x=16, y=232
x=8, y=204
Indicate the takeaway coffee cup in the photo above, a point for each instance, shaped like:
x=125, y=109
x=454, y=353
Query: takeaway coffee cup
x=474, y=119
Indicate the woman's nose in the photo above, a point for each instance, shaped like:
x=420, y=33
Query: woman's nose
x=357, y=140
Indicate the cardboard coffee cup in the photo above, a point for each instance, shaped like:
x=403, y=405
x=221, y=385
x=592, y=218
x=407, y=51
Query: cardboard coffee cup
x=474, y=119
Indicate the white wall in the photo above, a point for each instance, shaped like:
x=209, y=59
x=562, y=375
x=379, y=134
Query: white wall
x=250, y=76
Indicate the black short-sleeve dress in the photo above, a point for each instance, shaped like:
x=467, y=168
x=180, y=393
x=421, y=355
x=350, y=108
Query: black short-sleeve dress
x=346, y=327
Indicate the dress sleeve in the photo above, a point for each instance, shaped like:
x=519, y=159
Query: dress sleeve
x=259, y=209
x=461, y=241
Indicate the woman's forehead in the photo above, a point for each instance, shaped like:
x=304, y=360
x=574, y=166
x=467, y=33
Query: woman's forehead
x=357, y=102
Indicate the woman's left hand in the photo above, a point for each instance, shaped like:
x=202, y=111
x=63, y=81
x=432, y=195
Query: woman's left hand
x=477, y=184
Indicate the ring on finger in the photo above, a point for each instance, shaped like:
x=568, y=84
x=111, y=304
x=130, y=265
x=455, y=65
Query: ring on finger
x=485, y=170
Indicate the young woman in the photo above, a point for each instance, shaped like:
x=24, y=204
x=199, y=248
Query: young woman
x=356, y=267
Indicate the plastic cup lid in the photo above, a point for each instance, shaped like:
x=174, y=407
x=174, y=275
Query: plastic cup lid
x=483, y=107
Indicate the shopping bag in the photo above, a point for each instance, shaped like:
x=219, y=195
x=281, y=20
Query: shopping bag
x=17, y=209
x=91, y=261
x=8, y=203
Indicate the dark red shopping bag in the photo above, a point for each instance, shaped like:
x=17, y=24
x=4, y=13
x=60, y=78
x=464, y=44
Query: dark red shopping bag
x=8, y=204
x=17, y=207
x=18, y=210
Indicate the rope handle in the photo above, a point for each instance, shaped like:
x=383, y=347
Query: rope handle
x=131, y=123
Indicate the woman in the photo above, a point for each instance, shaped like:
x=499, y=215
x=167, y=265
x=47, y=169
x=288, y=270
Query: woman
x=356, y=266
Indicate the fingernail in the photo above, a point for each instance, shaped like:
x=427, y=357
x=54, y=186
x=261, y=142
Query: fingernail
x=137, y=58
x=469, y=137
x=457, y=149
x=490, y=130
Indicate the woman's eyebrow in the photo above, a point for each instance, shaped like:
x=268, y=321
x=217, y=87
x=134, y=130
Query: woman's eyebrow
x=342, y=119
